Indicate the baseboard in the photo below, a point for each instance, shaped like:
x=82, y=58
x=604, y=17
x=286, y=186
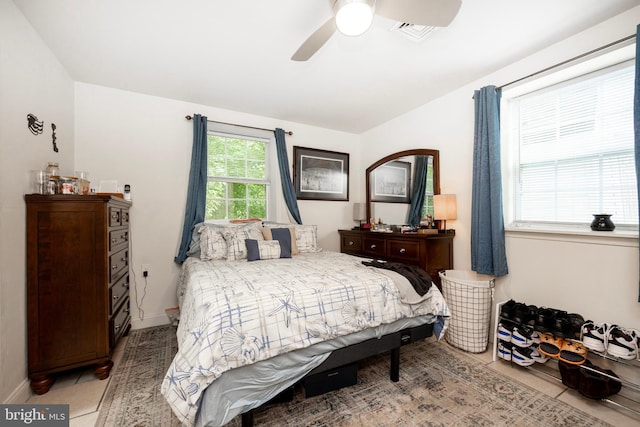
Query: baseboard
x=149, y=322
x=21, y=394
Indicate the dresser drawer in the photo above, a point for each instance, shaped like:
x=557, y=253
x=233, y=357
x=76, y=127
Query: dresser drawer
x=115, y=216
x=404, y=250
x=350, y=243
x=118, y=292
x=374, y=246
x=117, y=263
x=119, y=323
x=118, y=239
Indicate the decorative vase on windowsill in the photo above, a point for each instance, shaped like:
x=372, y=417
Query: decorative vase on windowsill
x=602, y=222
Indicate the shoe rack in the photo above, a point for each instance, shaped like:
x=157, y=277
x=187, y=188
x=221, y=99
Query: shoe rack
x=628, y=371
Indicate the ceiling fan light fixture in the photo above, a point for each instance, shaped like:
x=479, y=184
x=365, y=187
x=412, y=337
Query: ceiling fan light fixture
x=353, y=17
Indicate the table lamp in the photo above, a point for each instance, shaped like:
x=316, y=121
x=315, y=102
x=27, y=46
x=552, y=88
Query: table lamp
x=444, y=208
x=359, y=213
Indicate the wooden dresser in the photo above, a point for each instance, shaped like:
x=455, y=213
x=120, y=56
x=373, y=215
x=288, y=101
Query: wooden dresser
x=431, y=252
x=77, y=283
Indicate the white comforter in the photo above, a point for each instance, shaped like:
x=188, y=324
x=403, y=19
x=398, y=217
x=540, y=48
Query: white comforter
x=237, y=313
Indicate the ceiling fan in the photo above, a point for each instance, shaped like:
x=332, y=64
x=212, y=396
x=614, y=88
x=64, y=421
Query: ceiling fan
x=354, y=17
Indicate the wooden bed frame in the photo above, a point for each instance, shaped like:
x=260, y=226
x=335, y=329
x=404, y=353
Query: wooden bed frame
x=344, y=356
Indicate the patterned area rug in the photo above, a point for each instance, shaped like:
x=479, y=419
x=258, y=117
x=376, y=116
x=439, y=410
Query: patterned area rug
x=438, y=387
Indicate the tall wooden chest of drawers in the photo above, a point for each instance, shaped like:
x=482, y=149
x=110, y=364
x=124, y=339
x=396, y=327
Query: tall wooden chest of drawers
x=431, y=252
x=77, y=283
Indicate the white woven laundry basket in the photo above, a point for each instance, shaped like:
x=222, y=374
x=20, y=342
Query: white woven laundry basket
x=469, y=296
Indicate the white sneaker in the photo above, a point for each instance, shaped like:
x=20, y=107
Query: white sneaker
x=504, y=350
x=594, y=336
x=504, y=333
x=537, y=356
x=522, y=356
x=521, y=336
x=623, y=343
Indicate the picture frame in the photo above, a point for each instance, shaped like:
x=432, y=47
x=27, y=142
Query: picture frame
x=320, y=174
x=391, y=182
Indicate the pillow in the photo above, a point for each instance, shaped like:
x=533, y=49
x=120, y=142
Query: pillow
x=306, y=238
x=212, y=244
x=235, y=237
x=266, y=249
x=270, y=233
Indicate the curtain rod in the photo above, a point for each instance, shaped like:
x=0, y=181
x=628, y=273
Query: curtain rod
x=569, y=60
x=233, y=124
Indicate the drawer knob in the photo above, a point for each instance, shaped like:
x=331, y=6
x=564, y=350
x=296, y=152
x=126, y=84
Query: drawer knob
x=115, y=266
x=116, y=328
x=373, y=246
x=116, y=297
x=351, y=243
x=402, y=250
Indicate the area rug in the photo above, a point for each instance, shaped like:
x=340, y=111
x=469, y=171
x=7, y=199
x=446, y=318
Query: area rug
x=439, y=386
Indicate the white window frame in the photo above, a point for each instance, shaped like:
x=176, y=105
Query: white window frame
x=510, y=165
x=240, y=132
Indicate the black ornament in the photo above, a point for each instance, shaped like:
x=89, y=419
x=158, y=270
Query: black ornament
x=53, y=137
x=34, y=125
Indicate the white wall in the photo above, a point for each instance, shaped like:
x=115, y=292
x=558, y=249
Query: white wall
x=145, y=141
x=594, y=275
x=31, y=81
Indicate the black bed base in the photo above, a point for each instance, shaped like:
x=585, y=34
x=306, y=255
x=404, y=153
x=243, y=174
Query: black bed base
x=343, y=360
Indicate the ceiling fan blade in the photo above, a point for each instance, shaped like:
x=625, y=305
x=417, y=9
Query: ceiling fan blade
x=432, y=13
x=315, y=41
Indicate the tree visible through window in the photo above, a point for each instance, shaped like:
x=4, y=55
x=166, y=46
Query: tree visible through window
x=238, y=181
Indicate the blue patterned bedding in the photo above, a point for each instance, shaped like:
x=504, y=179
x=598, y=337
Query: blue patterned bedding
x=236, y=313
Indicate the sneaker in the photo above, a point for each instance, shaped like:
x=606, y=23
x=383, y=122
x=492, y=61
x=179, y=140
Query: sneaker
x=504, y=350
x=504, y=333
x=522, y=356
x=535, y=336
x=537, y=356
x=593, y=336
x=521, y=336
x=623, y=343
x=507, y=309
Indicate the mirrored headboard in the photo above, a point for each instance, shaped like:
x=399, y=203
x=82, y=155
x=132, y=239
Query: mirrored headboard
x=389, y=183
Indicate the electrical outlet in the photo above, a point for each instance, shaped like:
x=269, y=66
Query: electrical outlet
x=146, y=270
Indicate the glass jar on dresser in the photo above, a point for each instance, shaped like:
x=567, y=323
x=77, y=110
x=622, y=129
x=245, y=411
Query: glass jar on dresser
x=431, y=252
x=77, y=283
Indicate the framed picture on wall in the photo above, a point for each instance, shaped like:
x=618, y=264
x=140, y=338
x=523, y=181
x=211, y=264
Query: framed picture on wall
x=391, y=183
x=320, y=174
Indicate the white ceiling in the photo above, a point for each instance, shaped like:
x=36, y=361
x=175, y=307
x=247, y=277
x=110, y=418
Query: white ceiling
x=235, y=54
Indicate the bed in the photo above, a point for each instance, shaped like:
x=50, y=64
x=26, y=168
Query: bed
x=251, y=328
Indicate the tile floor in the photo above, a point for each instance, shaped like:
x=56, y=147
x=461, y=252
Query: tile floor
x=84, y=392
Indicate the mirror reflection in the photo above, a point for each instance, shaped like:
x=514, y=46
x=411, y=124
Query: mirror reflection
x=392, y=192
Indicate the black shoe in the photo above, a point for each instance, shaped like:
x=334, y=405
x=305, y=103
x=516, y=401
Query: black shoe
x=507, y=309
x=544, y=319
x=598, y=383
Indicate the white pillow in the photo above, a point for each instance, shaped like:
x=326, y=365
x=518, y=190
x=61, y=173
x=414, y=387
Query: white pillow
x=235, y=237
x=306, y=238
x=212, y=244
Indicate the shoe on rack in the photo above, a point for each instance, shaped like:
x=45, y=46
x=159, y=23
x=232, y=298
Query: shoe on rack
x=570, y=374
x=623, y=343
x=550, y=345
x=525, y=314
x=521, y=336
x=598, y=383
x=522, y=356
x=594, y=336
x=573, y=353
x=536, y=355
x=504, y=350
x=544, y=319
x=507, y=309
x=504, y=332
x=535, y=336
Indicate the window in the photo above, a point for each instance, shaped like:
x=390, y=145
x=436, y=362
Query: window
x=238, y=184
x=571, y=146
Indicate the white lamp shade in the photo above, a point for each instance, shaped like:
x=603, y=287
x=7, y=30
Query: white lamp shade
x=353, y=17
x=359, y=212
x=445, y=206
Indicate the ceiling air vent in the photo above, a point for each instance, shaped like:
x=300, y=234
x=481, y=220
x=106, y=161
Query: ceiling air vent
x=413, y=32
